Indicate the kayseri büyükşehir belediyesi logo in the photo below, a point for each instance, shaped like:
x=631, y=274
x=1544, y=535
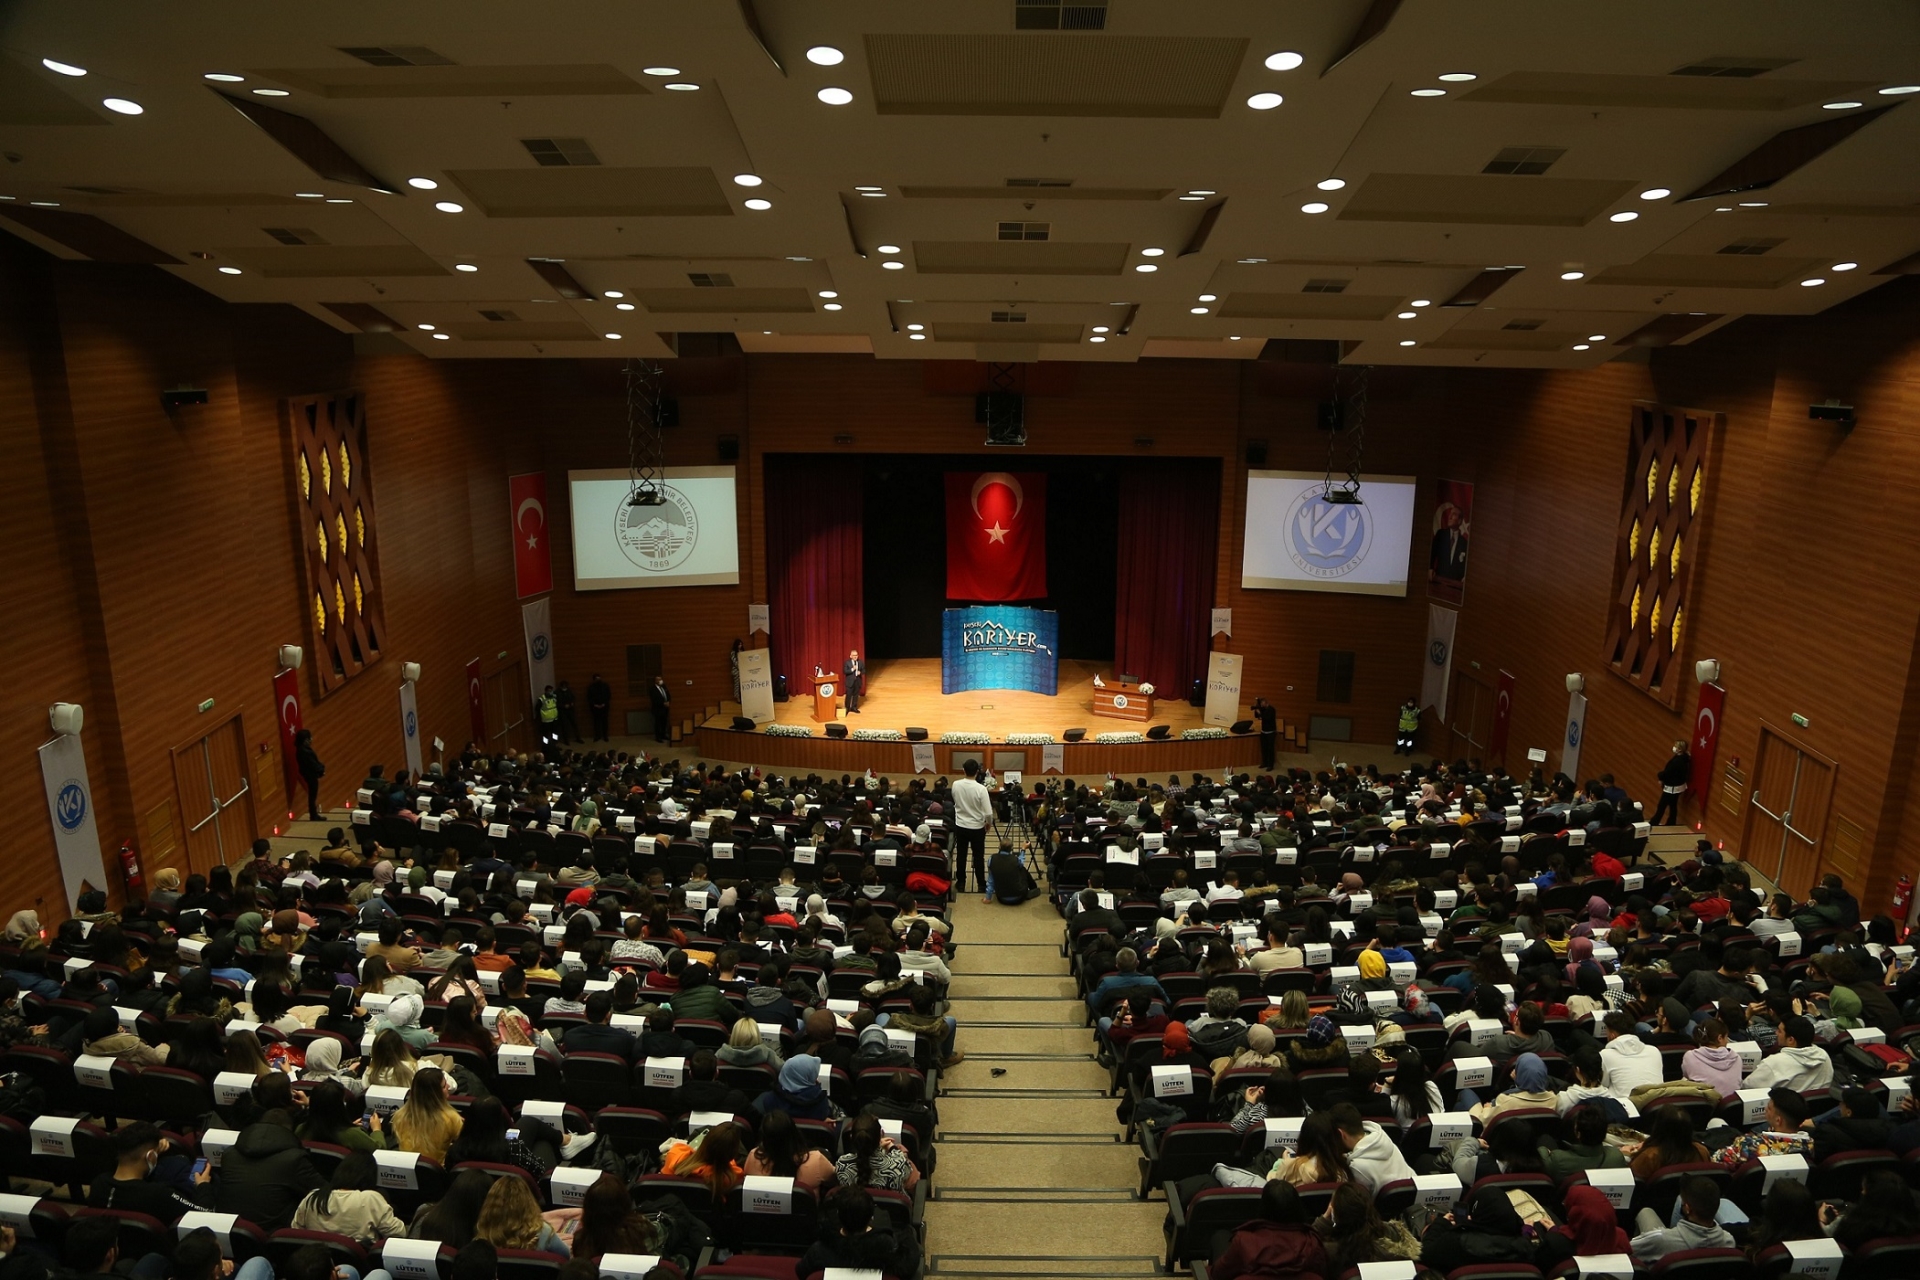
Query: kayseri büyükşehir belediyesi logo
x=1327, y=539
x=660, y=538
x=71, y=805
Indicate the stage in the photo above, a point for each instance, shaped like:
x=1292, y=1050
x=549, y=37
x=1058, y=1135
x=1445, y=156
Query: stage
x=906, y=691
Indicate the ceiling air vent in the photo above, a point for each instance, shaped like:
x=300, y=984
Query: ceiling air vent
x=710, y=279
x=397, y=55
x=499, y=316
x=1025, y=230
x=1524, y=160
x=1526, y=326
x=1039, y=182
x=294, y=235
x=1735, y=67
x=1325, y=286
x=1009, y=317
x=560, y=151
x=1752, y=246
x=1054, y=15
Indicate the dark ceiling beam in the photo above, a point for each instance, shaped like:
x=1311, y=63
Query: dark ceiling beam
x=85, y=234
x=1372, y=23
x=365, y=317
x=751, y=17
x=1781, y=154
x=1198, y=240
x=308, y=143
x=1662, y=331
x=554, y=272
x=1482, y=286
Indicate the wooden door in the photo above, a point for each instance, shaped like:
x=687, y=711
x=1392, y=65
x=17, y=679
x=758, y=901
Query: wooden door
x=508, y=705
x=198, y=811
x=216, y=797
x=1787, y=812
x=1470, y=718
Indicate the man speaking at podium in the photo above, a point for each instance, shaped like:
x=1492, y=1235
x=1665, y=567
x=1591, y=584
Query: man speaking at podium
x=853, y=681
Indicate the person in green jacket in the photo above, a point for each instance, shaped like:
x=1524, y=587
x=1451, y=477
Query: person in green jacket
x=1588, y=1149
x=698, y=997
x=330, y=1120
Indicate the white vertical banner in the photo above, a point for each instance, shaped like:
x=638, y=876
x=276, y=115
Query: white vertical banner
x=1223, y=688
x=63, y=767
x=759, y=618
x=1439, y=669
x=756, y=685
x=923, y=757
x=1222, y=622
x=1575, y=735
x=410, y=728
x=1053, y=758
x=535, y=619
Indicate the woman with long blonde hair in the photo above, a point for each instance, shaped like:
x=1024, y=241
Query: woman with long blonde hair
x=392, y=1062
x=715, y=1162
x=510, y=1219
x=426, y=1122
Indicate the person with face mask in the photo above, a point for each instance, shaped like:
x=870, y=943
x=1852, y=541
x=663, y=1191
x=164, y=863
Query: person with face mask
x=133, y=1186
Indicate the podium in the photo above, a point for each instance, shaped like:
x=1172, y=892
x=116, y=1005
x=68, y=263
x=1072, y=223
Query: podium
x=1123, y=702
x=826, y=697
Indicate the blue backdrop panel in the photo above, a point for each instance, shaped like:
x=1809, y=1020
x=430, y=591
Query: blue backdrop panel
x=996, y=646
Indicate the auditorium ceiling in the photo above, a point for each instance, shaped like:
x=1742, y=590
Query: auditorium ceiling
x=1501, y=182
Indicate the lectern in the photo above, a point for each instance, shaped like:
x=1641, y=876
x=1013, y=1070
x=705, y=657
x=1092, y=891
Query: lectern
x=826, y=697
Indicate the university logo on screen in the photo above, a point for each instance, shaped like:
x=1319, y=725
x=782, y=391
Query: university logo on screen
x=1327, y=539
x=994, y=638
x=658, y=539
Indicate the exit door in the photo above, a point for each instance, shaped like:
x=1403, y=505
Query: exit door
x=508, y=704
x=1787, y=814
x=1471, y=718
x=216, y=797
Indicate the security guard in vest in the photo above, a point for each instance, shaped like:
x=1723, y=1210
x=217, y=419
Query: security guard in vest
x=1409, y=725
x=549, y=707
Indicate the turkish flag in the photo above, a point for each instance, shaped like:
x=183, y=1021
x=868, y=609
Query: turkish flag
x=996, y=535
x=532, y=565
x=1706, y=738
x=286, y=700
x=1502, y=719
x=476, y=705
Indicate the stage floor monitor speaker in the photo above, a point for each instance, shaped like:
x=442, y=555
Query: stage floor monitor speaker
x=1074, y=735
x=916, y=734
x=836, y=730
x=743, y=723
x=1160, y=732
x=1241, y=726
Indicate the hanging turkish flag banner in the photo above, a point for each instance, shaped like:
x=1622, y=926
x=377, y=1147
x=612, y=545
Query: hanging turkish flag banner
x=532, y=563
x=1502, y=719
x=476, y=705
x=1706, y=739
x=286, y=700
x=996, y=535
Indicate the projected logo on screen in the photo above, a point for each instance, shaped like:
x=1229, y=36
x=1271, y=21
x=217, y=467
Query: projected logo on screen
x=1324, y=539
x=658, y=539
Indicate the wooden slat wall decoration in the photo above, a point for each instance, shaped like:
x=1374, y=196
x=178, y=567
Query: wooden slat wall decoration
x=334, y=512
x=1663, y=525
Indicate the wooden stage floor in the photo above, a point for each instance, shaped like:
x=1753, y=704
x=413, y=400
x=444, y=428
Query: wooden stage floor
x=906, y=691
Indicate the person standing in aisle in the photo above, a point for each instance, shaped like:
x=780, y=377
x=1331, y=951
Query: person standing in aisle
x=853, y=681
x=599, y=705
x=662, y=703
x=1675, y=774
x=307, y=760
x=972, y=811
x=1409, y=726
x=548, y=707
x=569, y=713
x=1269, y=721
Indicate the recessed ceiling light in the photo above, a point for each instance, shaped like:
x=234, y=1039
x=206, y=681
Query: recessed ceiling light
x=1421, y=302
x=893, y=266
x=1407, y=342
x=1573, y=275
x=444, y=337
x=1408, y=315
x=825, y=55
x=794, y=259
x=1190, y=197
x=916, y=327
x=1810, y=283
x=64, y=68
x=1845, y=266
x=1655, y=193
x=829, y=293
x=1893, y=90
x=464, y=266
x=613, y=336
x=1146, y=266
x=1429, y=93
x=757, y=204
x=273, y=93
x=1101, y=328
x=1596, y=337
x=681, y=86
x=1265, y=101
x=1151, y=252
x=1626, y=215
x=1839, y=106
x=1096, y=338
x=125, y=106
x=887, y=248
x=1331, y=184
x=1250, y=260
x=874, y=195
x=1457, y=77
x=660, y=71
x=1234, y=338
x=44, y=204
x=835, y=96
x=423, y=184
x=1198, y=192
x=916, y=337
x=623, y=306
x=1314, y=206
x=1285, y=60
x=1580, y=346
x=311, y=195
x=1753, y=204
x=426, y=328
x=1209, y=297
x=746, y=179
x=865, y=189
x=223, y=77
x=448, y=206
x=1196, y=311
x=229, y=271
x=338, y=200
x=831, y=306
x=613, y=293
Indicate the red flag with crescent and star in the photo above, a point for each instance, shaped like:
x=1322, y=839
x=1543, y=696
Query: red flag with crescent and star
x=1706, y=738
x=476, y=705
x=996, y=535
x=286, y=700
x=532, y=563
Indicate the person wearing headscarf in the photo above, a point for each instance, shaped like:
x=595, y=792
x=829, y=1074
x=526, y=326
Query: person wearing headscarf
x=1416, y=1008
x=817, y=911
x=1532, y=1087
x=587, y=820
x=1489, y=1231
x=1591, y=1228
x=1373, y=971
x=166, y=892
x=875, y=1050
x=323, y=1064
x=515, y=1028
x=1579, y=952
x=1350, y=884
x=798, y=1093
x=246, y=932
x=340, y=1017
x=403, y=1018
x=23, y=925
x=370, y=891
x=1261, y=1051
x=1599, y=919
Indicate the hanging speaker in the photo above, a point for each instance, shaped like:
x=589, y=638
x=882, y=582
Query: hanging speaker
x=65, y=717
x=410, y=672
x=291, y=656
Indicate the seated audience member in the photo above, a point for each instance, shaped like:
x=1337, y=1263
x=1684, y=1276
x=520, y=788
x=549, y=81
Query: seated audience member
x=266, y=1174
x=712, y=1159
x=1280, y=1244
x=128, y=1188
x=1799, y=1064
x=351, y=1204
x=1698, y=1227
x=856, y=1244
x=1489, y=1230
x=510, y=1219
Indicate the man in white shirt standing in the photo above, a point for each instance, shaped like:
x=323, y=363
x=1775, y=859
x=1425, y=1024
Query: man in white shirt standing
x=972, y=811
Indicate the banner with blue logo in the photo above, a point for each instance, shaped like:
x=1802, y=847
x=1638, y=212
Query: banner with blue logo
x=999, y=647
x=63, y=767
x=538, y=624
x=410, y=727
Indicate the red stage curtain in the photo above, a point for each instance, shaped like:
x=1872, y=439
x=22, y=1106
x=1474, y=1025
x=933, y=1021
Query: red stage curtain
x=814, y=564
x=1169, y=537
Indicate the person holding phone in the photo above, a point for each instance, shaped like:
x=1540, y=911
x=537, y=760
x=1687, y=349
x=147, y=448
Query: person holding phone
x=132, y=1187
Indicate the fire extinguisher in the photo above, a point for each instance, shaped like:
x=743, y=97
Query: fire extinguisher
x=1902, y=896
x=136, y=884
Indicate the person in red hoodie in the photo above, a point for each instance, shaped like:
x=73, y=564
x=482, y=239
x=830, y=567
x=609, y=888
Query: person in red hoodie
x=1280, y=1244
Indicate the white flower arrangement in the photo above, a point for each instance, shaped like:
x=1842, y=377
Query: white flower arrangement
x=1029, y=739
x=966, y=739
x=1206, y=731
x=1120, y=736
x=1147, y=689
x=789, y=731
x=879, y=735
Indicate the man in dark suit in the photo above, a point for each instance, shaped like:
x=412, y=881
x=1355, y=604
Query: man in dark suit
x=1268, y=718
x=853, y=681
x=600, y=703
x=662, y=703
x=598, y=1036
x=1448, y=557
